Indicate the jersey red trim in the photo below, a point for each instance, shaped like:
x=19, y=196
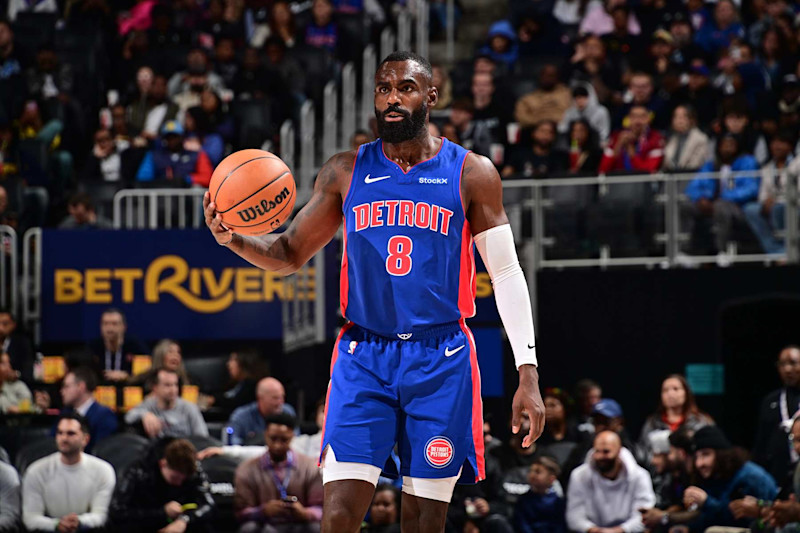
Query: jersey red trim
x=477, y=405
x=467, y=283
x=417, y=164
x=334, y=356
x=344, y=281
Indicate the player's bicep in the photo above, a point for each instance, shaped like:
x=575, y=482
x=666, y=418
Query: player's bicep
x=318, y=221
x=484, y=193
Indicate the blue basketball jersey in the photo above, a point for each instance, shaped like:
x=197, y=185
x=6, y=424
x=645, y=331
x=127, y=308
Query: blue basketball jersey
x=408, y=262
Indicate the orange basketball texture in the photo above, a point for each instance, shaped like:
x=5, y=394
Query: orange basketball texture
x=254, y=191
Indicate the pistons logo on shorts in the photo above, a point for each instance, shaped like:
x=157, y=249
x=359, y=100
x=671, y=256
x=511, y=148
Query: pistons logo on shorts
x=439, y=452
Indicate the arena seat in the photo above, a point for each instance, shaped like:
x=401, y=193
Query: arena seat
x=221, y=472
x=33, y=451
x=121, y=450
x=210, y=373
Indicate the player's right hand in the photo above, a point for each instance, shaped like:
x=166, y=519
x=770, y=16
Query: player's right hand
x=212, y=451
x=222, y=234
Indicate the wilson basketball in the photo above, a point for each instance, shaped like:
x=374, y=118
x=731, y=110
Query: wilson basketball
x=254, y=191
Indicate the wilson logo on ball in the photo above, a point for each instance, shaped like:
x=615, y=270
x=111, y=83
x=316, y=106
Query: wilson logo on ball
x=439, y=452
x=265, y=206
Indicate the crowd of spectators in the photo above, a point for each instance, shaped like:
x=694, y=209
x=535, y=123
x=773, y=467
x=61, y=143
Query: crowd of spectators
x=142, y=469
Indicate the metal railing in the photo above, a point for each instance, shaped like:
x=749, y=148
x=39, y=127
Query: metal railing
x=158, y=208
x=303, y=305
x=666, y=196
x=304, y=178
x=9, y=287
x=32, y=281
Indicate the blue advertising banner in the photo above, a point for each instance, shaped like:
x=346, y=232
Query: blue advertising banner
x=169, y=283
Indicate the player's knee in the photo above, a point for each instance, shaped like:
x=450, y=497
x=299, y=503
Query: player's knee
x=338, y=518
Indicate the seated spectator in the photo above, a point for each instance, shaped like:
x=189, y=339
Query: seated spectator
x=540, y=158
x=491, y=106
x=676, y=408
x=282, y=24
x=245, y=369
x=642, y=92
x=587, y=394
x=198, y=66
x=216, y=115
x=723, y=473
x=717, y=33
x=31, y=125
x=322, y=32
x=775, y=416
x=225, y=64
x=363, y=137
x=196, y=83
x=12, y=80
x=701, y=95
x=623, y=46
x=68, y=490
x=541, y=34
x=542, y=509
x=557, y=428
x=82, y=214
x=166, y=492
x=256, y=22
x=724, y=198
x=15, y=396
x=687, y=146
x=608, y=490
x=383, y=512
x=252, y=78
x=171, y=162
x=311, y=445
x=467, y=132
x=152, y=108
x=671, y=478
x=248, y=422
x=584, y=148
x=281, y=489
x=15, y=343
x=549, y=101
x=166, y=354
x=787, y=509
x=441, y=80
x=105, y=161
x=113, y=352
x=49, y=80
x=598, y=21
x=501, y=44
x=736, y=121
x=77, y=390
x=590, y=64
x=222, y=22
x=164, y=413
x=637, y=148
x=586, y=107
x=768, y=214
x=10, y=507
x=514, y=462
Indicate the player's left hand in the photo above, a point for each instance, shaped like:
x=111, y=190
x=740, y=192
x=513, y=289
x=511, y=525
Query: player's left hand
x=528, y=398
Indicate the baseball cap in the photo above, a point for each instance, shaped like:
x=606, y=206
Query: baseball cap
x=608, y=408
x=172, y=127
x=663, y=35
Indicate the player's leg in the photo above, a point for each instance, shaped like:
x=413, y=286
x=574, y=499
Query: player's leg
x=425, y=503
x=360, y=427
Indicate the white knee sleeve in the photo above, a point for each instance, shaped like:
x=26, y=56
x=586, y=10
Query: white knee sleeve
x=333, y=470
x=432, y=489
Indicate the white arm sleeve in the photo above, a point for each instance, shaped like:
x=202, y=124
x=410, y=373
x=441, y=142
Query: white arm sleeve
x=496, y=246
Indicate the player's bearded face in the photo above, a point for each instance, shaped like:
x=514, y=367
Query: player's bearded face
x=404, y=130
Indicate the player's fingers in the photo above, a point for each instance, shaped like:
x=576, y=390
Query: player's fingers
x=516, y=416
x=210, y=209
x=206, y=200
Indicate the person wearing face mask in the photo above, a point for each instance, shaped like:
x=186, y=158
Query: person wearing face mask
x=607, y=491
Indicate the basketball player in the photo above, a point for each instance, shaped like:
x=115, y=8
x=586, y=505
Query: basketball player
x=404, y=367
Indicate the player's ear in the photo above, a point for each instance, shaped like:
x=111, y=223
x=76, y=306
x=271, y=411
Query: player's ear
x=433, y=96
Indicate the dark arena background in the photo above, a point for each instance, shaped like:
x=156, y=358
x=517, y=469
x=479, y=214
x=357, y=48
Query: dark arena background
x=648, y=151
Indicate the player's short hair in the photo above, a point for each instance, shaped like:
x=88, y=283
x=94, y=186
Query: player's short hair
x=158, y=372
x=110, y=310
x=281, y=419
x=181, y=456
x=548, y=464
x=85, y=375
x=81, y=198
x=403, y=55
x=74, y=416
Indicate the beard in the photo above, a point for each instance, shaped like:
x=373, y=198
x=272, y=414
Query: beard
x=409, y=128
x=604, y=466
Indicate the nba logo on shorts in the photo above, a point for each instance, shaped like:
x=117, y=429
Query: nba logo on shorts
x=352, y=347
x=439, y=452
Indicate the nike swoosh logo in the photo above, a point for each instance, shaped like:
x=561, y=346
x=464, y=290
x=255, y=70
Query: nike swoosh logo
x=448, y=352
x=531, y=347
x=373, y=180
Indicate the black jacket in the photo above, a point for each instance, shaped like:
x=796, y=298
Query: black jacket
x=771, y=449
x=140, y=496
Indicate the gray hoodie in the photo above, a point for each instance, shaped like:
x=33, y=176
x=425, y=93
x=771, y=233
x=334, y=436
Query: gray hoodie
x=595, y=113
x=595, y=501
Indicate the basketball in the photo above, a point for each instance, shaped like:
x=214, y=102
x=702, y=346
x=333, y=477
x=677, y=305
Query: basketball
x=254, y=192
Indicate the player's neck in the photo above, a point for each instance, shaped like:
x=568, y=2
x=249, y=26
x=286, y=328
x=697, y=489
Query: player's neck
x=409, y=153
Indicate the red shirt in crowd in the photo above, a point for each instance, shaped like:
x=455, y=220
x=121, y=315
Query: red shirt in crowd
x=648, y=156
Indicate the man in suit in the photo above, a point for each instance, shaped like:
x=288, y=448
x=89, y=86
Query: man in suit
x=17, y=346
x=76, y=393
x=113, y=352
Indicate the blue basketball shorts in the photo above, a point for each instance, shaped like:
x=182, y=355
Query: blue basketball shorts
x=422, y=394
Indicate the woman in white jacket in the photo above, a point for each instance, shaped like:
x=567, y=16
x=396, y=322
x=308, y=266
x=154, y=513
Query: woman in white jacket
x=687, y=147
